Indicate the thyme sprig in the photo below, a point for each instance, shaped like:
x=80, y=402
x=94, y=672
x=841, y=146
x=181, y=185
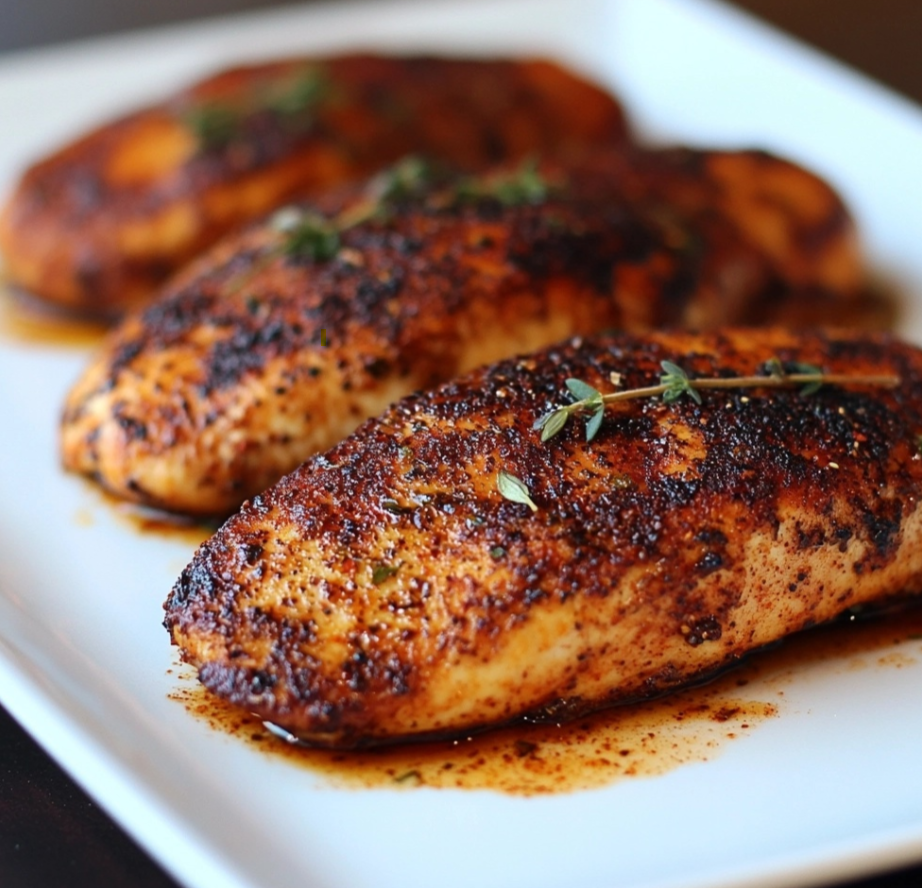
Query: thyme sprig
x=523, y=185
x=291, y=100
x=674, y=383
x=310, y=235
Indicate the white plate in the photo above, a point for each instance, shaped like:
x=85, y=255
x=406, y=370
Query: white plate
x=832, y=787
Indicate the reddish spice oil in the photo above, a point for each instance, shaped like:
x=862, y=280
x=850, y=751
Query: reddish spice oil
x=641, y=740
x=27, y=321
x=141, y=520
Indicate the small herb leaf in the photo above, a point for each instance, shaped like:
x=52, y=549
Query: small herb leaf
x=582, y=391
x=595, y=423
x=775, y=368
x=514, y=490
x=307, y=235
x=552, y=423
x=381, y=572
x=677, y=383
x=213, y=125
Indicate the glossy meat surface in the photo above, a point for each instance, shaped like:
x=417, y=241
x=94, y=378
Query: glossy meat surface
x=387, y=590
x=100, y=223
x=224, y=384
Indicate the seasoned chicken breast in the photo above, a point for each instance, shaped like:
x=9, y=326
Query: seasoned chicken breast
x=401, y=586
x=99, y=224
x=280, y=341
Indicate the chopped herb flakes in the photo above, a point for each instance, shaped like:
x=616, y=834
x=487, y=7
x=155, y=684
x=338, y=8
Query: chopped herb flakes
x=382, y=572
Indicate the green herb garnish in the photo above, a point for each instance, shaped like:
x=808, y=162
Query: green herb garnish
x=308, y=235
x=405, y=179
x=299, y=96
x=513, y=489
x=524, y=185
x=213, y=124
x=675, y=383
x=382, y=572
x=291, y=100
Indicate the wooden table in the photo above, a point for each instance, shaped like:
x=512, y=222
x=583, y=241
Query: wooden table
x=53, y=836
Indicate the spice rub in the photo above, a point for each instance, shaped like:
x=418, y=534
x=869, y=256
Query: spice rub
x=388, y=590
x=98, y=225
x=226, y=382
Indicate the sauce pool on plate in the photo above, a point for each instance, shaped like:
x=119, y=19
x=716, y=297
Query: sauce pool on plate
x=639, y=740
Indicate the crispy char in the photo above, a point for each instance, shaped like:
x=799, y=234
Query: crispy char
x=97, y=225
x=386, y=591
x=222, y=385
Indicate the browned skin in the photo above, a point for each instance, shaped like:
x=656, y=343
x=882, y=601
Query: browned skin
x=222, y=386
x=100, y=223
x=386, y=591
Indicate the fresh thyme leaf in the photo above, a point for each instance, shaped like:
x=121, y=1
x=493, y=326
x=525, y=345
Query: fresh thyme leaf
x=551, y=423
x=213, y=124
x=497, y=552
x=217, y=124
x=814, y=386
x=514, y=490
x=677, y=383
x=308, y=235
x=811, y=388
x=406, y=178
x=582, y=391
x=522, y=186
x=775, y=368
x=595, y=422
x=381, y=572
x=305, y=92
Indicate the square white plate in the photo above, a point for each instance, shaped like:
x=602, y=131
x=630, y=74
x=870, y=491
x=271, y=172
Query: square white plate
x=832, y=787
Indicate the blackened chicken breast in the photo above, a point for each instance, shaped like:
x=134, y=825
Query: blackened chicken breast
x=99, y=224
x=282, y=339
x=394, y=588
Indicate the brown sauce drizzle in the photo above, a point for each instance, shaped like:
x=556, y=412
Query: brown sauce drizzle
x=643, y=740
x=144, y=521
x=26, y=320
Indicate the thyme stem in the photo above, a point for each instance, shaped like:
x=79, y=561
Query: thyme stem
x=675, y=382
x=792, y=380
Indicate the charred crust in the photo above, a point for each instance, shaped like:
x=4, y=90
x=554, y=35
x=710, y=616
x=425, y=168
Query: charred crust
x=684, y=529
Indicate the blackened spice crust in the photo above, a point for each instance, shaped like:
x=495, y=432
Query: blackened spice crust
x=732, y=524
x=229, y=374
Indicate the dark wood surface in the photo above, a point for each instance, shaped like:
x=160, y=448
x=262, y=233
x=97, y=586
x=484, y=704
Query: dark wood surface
x=53, y=836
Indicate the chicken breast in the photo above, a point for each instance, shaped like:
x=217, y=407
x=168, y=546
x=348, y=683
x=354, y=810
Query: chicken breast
x=99, y=224
x=396, y=588
x=280, y=341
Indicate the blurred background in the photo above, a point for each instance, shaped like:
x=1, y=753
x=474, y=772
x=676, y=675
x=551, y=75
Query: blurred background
x=879, y=37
